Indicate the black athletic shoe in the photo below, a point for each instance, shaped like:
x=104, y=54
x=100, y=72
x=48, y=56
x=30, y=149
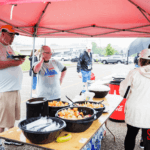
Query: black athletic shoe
x=8, y=142
x=141, y=144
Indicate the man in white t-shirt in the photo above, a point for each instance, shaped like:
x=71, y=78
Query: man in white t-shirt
x=50, y=75
x=10, y=80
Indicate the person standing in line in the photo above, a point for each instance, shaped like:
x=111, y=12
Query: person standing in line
x=30, y=72
x=50, y=75
x=136, y=59
x=138, y=102
x=84, y=67
x=11, y=76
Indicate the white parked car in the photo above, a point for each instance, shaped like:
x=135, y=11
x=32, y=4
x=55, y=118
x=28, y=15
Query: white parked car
x=62, y=57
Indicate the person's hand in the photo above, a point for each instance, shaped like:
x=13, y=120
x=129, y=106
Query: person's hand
x=79, y=74
x=17, y=62
x=22, y=59
x=42, y=59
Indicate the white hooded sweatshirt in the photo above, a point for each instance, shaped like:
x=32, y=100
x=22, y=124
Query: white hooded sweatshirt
x=137, y=107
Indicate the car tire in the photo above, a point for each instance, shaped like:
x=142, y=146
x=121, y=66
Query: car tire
x=62, y=59
x=119, y=62
x=104, y=62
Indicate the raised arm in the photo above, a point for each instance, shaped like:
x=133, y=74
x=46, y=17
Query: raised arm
x=38, y=67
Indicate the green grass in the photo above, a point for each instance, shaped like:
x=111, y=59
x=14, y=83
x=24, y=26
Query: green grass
x=66, y=64
x=26, y=65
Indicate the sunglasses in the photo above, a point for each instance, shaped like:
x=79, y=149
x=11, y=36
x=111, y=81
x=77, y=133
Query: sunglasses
x=11, y=34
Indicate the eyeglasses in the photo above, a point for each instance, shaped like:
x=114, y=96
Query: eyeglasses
x=47, y=53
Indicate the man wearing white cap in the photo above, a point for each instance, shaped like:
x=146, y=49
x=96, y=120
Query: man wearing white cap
x=84, y=66
x=10, y=80
x=137, y=106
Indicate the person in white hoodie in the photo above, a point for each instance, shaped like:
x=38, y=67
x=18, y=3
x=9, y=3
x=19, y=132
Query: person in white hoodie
x=137, y=107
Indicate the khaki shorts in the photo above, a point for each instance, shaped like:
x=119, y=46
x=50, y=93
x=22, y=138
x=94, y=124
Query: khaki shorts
x=9, y=108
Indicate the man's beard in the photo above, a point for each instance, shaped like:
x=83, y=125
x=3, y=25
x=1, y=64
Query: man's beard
x=6, y=42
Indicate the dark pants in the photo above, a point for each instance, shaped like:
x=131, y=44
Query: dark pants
x=131, y=136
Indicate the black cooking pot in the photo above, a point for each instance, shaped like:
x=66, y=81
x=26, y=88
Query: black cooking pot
x=99, y=110
x=117, y=81
x=36, y=107
x=53, y=109
x=41, y=137
x=79, y=125
x=99, y=94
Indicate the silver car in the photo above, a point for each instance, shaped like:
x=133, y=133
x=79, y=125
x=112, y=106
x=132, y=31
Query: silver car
x=113, y=59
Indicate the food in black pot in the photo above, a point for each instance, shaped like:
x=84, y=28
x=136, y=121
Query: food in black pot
x=55, y=105
x=95, y=105
x=80, y=124
x=41, y=130
x=73, y=113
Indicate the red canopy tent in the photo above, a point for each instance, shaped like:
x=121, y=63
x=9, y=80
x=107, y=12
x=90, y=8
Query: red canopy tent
x=77, y=18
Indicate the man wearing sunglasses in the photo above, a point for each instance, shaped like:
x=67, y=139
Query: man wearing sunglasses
x=10, y=80
x=50, y=75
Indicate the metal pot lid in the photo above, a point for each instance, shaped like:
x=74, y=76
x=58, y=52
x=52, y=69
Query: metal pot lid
x=37, y=100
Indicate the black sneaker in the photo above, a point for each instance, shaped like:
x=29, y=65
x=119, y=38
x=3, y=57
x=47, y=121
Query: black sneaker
x=8, y=142
x=141, y=144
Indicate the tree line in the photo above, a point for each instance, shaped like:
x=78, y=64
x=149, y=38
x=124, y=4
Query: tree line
x=107, y=51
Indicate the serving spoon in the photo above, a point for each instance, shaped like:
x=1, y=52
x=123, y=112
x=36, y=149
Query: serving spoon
x=69, y=99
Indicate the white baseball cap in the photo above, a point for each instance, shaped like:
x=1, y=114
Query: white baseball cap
x=145, y=54
x=89, y=46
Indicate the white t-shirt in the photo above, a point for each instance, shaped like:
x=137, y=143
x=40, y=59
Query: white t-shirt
x=48, y=84
x=11, y=77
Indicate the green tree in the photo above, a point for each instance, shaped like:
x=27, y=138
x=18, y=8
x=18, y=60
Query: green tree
x=96, y=49
x=109, y=50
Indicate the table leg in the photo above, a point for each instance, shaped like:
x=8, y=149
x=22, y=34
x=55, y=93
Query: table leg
x=110, y=131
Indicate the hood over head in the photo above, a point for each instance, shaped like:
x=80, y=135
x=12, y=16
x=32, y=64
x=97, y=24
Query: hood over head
x=145, y=71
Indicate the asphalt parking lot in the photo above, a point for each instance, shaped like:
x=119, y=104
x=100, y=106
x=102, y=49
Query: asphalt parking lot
x=71, y=87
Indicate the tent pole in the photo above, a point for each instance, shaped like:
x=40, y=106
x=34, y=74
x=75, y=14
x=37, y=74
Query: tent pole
x=32, y=64
x=127, y=57
x=45, y=41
